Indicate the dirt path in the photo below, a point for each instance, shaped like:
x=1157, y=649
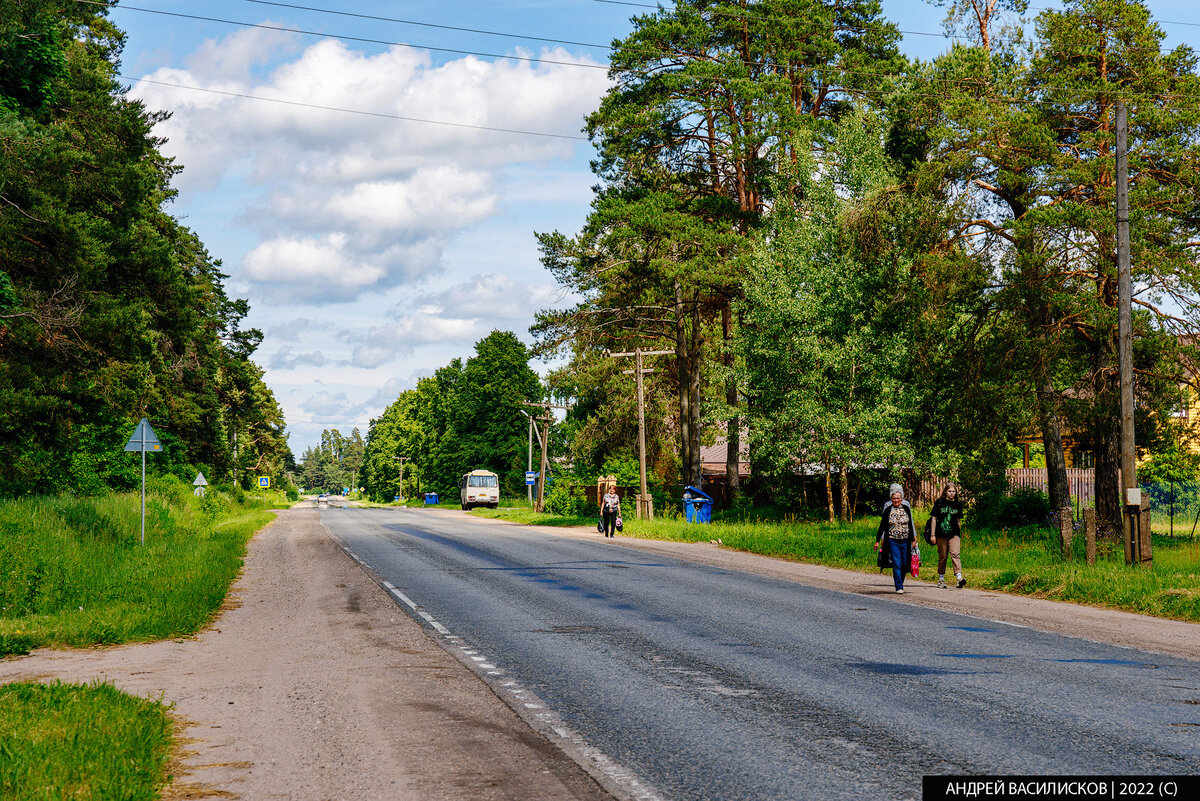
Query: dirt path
x=313, y=685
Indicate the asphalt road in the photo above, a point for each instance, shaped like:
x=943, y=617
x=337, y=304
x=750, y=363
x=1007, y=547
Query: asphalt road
x=677, y=680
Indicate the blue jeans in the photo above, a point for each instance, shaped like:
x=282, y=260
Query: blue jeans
x=898, y=567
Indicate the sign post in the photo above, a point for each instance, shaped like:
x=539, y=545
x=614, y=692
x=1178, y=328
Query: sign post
x=144, y=439
x=200, y=483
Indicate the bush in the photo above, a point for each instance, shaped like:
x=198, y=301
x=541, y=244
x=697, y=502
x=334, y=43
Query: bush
x=1022, y=507
x=566, y=499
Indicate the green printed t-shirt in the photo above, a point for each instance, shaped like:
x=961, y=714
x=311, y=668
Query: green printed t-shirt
x=948, y=514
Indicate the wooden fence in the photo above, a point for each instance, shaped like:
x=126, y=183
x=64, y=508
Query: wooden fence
x=1082, y=483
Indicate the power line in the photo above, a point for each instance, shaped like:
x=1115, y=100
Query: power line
x=342, y=37
x=428, y=24
x=354, y=111
x=770, y=68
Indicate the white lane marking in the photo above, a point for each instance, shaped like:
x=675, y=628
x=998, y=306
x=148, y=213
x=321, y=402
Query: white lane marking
x=407, y=601
x=590, y=758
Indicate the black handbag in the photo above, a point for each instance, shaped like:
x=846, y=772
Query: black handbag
x=600, y=524
x=884, y=560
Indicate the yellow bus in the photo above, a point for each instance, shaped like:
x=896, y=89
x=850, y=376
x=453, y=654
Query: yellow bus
x=479, y=488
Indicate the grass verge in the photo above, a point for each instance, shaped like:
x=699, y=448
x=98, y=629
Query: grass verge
x=74, y=572
x=81, y=741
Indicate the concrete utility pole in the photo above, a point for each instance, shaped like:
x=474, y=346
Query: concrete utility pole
x=645, y=504
x=546, y=419
x=1137, y=542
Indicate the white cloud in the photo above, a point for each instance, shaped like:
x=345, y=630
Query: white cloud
x=389, y=391
x=292, y=330
x=327, y=406
x=389, y=342
x=495, y=297
x=317, y=271
x=401, y=231
x=284, y=359
x=348, y=203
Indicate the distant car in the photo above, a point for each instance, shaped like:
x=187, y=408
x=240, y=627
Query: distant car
x=323, y=500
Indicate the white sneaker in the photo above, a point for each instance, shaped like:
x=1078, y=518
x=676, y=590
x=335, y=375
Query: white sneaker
x=942, y=583
x=900, y=592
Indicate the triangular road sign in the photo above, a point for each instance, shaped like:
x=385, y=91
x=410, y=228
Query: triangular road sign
x=144, y=438
x=199, y=482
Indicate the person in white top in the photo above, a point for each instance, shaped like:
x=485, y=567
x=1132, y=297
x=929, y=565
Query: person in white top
x=610, y=510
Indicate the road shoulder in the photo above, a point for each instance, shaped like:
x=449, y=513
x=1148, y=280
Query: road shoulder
x=313, y=684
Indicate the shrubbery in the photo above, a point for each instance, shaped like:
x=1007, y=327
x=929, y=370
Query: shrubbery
x=1012, y=509
x=563, y=498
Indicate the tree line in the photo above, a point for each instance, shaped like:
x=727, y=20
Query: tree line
x=468, y=415
x=110, y=309
x=864, y=260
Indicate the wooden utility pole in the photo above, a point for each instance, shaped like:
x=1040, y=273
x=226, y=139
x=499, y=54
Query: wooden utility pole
x=401, y=460
x=529, y=460
x=546, y=419
x=1137, y=545
x=645, y=504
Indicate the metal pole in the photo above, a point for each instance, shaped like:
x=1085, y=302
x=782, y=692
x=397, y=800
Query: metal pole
x=1125, y=336
x=143, y=488
x=529, y=461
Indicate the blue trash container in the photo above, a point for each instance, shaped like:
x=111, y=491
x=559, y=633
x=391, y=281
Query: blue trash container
x=697, y=506
x=431, y=498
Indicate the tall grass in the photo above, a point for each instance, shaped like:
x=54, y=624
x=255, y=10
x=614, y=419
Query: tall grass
x=87, y=742
x=73, y=571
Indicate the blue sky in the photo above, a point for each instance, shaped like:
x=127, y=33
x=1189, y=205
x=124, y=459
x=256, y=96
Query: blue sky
x=375, y=249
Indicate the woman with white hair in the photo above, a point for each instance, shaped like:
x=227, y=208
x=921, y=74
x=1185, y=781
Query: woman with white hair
x=897, y=533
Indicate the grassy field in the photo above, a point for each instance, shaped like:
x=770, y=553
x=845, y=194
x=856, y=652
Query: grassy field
x=73, y=572
x=1027, y=561
x=84, y=742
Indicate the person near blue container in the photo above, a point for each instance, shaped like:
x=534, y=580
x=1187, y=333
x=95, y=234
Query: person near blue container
x=897, y=533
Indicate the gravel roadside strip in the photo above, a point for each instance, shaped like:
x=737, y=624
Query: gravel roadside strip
x=313, y=685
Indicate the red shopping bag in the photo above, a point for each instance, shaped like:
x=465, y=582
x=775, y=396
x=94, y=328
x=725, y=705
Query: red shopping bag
x=916, y=561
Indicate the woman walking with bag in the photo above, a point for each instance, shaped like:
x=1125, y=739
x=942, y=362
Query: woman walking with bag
x=947, y=512
x=897, y=533
x=610, y=510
